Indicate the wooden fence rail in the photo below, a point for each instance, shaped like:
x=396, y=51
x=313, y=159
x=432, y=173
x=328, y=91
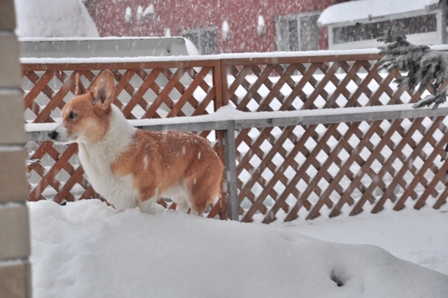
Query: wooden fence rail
x=335, y=136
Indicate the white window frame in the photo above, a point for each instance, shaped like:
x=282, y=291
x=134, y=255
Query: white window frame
x=280, y=43
x=431, y=38
x=201, y=45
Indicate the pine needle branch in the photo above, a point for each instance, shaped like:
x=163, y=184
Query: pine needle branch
x=425, y=68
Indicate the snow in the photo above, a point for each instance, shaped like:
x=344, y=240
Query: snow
x=261, y=21
x=87, y=249
x=230, y=113
x=149, y=11
x=225, y=31
x=221, y=118
x=50, y=18
x=36, y=127
x=9, y=148
x=194, y=56
x=25, y=60
x=415, y=236
x=261, y=26
x=128, y=15
x=367, y=9
x=167, y=32
x=225, y=26
x=139, y=13
x=191, y=48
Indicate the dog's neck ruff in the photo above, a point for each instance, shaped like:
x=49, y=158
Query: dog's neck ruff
x=117, y=139
x=97, y=158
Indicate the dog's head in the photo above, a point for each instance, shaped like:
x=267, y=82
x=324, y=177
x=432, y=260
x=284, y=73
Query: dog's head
x=86, y=117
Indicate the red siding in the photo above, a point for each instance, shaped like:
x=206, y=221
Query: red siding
x=180, y=15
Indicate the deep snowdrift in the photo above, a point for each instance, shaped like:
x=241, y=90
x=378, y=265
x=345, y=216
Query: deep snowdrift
x=420, y=237
x=86, y=249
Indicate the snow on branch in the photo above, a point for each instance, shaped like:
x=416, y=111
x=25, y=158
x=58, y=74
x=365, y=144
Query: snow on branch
x=425, y=68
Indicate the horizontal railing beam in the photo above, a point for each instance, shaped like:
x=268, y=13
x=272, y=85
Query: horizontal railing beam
x=46, y=65
x=220, y=119
x=189, y=126
x=346, y=115
x=99, y=63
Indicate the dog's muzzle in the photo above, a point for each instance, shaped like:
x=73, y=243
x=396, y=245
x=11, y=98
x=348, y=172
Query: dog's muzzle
x=53, y=134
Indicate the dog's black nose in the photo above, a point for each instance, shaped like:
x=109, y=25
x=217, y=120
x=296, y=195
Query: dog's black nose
x=53, y=134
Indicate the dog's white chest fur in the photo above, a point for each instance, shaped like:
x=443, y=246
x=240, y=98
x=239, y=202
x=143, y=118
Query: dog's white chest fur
x=97, y=159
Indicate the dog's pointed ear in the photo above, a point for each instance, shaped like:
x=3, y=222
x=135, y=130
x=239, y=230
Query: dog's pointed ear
x=79, y=87
x=102, y=89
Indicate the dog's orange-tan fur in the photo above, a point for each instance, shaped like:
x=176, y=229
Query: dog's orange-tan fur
x=174, y=156
x=132, y=167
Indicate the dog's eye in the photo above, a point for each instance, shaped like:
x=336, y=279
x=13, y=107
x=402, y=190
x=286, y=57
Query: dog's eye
x=72, y=115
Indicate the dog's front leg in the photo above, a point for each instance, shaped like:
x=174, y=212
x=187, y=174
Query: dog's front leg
x=149, y=205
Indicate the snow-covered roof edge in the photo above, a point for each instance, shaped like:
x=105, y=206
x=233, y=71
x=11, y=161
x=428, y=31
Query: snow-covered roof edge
x=69, y=60
x=367, y=9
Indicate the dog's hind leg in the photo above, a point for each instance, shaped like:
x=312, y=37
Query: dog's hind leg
x=204, y=192
x=200, y=199
x=198, y=209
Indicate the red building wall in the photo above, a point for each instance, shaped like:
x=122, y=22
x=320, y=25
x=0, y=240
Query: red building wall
x=178, y=15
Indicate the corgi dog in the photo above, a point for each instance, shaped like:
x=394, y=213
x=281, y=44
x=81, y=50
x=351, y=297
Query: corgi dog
x=133, y=168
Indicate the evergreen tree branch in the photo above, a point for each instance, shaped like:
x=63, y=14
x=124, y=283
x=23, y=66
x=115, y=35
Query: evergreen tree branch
x=425, y=68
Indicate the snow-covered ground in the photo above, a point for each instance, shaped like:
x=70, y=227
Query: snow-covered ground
x=420, y=236
x=87, y=249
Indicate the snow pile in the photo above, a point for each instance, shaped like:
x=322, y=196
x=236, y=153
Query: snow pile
x=87, y=249
x=420, y=236
x=191, y=48
x=54, y=18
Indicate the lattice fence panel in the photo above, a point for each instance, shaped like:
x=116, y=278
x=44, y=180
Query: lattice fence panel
x=315, y=84
x=290, y=172
x=140, y=92
x=283, y=172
